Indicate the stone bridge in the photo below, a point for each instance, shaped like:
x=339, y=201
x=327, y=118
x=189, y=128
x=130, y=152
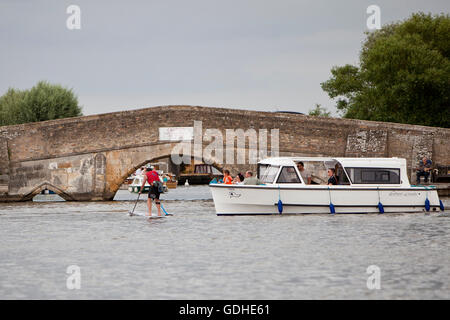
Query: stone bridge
x=88, y=158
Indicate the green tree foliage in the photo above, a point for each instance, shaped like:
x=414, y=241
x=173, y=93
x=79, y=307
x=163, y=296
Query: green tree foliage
x=319, y=111
x=42, y=102
x=403, y=74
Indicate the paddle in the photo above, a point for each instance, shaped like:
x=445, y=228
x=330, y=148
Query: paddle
x=131, y=212
x=164, y=210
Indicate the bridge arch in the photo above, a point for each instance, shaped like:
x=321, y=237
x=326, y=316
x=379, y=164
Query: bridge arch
x=138, y=162
x=47, y=186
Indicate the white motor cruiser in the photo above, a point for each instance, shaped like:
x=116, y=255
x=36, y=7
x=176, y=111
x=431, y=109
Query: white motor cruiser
x=365, y=185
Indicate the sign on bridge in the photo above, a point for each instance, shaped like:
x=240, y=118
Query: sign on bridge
x=176, y=133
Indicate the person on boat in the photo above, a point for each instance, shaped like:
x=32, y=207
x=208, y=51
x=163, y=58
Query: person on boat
x=140, y=171
x=239, y=179
x=250, y=179
x=152, y=176
x=306, y=175
x=227, y=179
x=332, y=180
x=423, y=169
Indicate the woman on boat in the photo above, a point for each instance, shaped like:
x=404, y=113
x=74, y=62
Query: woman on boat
x=239, y=179
x=227, y=179
x=332, y=174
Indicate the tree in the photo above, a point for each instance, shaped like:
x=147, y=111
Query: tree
x=11, y=105
x=319, y=111
x=42, y=102
x=403, y=74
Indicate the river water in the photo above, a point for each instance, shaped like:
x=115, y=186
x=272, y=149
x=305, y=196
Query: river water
x=195, y=254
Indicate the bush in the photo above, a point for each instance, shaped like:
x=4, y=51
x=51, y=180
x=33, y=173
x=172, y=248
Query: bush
x=42, y=102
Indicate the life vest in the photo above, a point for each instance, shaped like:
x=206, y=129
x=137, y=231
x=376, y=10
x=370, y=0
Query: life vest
x=228, y=180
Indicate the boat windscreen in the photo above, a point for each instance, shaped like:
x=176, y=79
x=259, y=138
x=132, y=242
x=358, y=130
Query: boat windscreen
x=269, y=174
x=261, y=170
x=288, y=175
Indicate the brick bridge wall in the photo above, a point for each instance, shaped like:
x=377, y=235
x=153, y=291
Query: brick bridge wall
x=87, y=158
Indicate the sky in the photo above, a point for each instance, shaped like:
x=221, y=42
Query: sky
x=247, y=54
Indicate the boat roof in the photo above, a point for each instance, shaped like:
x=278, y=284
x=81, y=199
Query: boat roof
x=345, y=162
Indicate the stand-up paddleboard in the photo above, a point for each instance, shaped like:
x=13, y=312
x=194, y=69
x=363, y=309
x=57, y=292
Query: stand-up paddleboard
x=144, y=214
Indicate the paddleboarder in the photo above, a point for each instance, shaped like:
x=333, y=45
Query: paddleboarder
x=152, y=177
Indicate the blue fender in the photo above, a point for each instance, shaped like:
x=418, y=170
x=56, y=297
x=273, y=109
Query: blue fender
x=380, y=207
x=280, y=206
x=427, y=204
x=441, y=205
x=332, y=210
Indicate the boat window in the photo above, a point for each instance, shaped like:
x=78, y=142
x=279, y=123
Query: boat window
x=136, y=181
x=262, y=169
x=341, y=175
x=374, y=175
x=317, y=170
x=269, y=174
x=288, y=175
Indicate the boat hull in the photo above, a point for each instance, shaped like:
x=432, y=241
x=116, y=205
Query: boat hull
x=250, y=200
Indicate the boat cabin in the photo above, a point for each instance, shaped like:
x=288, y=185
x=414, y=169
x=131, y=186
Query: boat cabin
x=349, y=171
